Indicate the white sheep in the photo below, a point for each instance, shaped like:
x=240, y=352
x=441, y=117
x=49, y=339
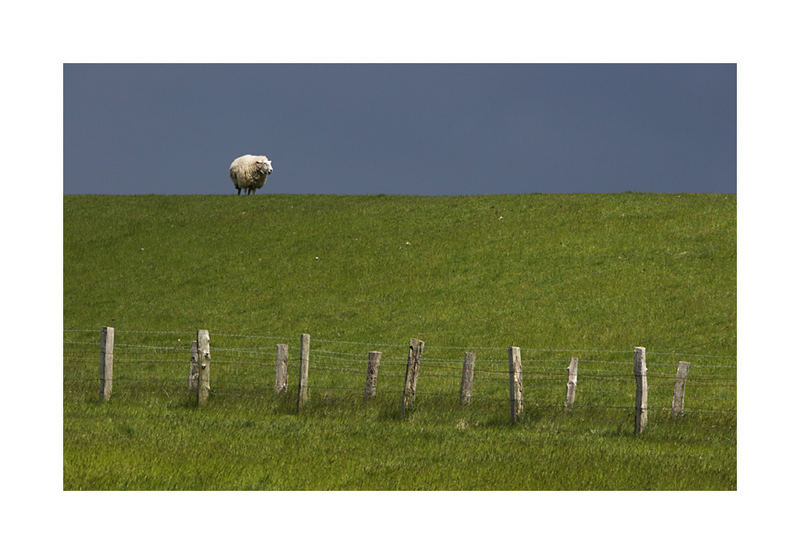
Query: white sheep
x=250, y=173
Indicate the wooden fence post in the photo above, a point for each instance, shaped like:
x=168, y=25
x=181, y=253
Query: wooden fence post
x=106, y=362
x=572, y=382
x=515, y=382
x=467, y=373
x=412, y=369
x=640, y=373
x=302, y=388
x=680, y=386
x=281, y=368
x=204, y=371
x=373, y=364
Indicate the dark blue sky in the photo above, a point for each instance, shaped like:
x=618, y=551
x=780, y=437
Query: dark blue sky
x=401, y=129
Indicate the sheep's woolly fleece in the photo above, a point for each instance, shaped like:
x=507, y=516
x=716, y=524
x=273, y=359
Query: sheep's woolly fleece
x=250, y=172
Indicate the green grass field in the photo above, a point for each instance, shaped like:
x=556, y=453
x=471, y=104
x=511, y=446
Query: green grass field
x=590, y=276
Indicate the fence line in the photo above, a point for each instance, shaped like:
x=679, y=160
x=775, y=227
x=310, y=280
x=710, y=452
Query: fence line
x=242, y=367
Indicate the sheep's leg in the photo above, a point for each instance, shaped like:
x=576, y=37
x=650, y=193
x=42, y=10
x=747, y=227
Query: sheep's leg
x=238, y=192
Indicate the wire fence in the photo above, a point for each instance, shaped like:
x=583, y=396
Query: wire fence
x=243, y=366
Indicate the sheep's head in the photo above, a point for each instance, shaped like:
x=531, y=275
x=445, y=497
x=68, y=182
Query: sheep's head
x=264, y=166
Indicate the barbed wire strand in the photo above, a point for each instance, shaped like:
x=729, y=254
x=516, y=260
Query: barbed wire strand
x=402, y=345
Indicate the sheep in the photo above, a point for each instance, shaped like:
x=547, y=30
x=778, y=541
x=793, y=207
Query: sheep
x=250, y=173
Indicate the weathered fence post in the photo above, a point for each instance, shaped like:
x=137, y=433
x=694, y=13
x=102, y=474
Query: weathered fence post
x=572, y=382
x=640, y=373
x=194, y=368
x=412, y=369
x=281, y=368
x=680, y=386
x=106, y=362
x=373, y=364
x=204, y=370
x=467, y=373
x=515, y=382
x=302, y=388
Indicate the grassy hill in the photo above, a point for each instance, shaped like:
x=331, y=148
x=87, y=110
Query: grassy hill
x=558, y=275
